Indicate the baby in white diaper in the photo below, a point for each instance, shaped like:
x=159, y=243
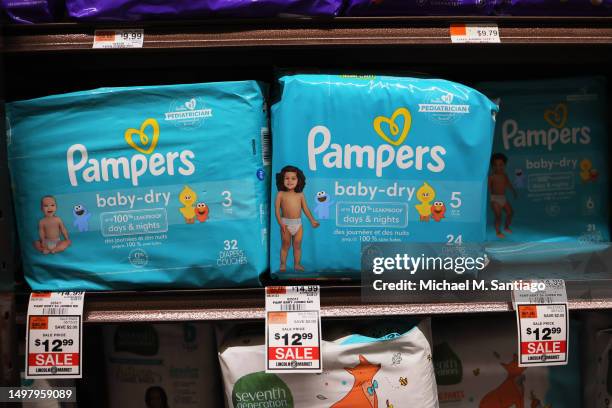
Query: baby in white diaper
x=50, y=229
x=289, y=204
x=498, y=183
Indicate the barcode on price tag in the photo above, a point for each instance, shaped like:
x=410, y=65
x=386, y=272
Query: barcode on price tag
x=474, y=33
x=542, y=321
x=54, y=335
x=54, y=311
x=118, y=38
x=293, y=329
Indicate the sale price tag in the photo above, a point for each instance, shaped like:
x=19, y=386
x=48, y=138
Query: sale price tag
x=542, y=319
x=54, y=335
x=118, y=38
x=474, y=33
x=293, y=329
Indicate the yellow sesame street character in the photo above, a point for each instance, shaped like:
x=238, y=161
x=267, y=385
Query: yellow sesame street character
x=188, y=197
x=585, y=167
x=587, y=172
x=425, y=194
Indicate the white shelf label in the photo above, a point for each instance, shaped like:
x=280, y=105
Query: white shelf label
x=474, y=33
x=54, y=335
x=542, y=320
x=293, y=329
x=118, y=38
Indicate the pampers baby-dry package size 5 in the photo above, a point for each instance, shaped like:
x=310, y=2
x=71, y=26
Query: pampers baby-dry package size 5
x=358, y=371
x=478, y=370
x=549, y=176
x=161, y=365
x=364, y=159
x=141, y=187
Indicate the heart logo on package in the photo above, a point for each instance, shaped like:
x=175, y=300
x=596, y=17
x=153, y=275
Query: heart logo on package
x=191, y=104
x=396, y=136
x=556, y=117
x=146, y=143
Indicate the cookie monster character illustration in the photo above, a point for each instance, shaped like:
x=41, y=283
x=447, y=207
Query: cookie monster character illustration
x=81, y=217
x=519, y=178
x=324, y=203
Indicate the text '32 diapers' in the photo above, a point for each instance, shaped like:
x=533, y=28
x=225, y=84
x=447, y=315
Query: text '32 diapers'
x=548, y=180
x=161, y=365
x=141, y=187
x=479, y=369
x=395, y=370
x=374, y=159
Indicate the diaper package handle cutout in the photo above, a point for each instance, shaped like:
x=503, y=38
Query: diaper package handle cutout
x=138, y=189
x=377, y=159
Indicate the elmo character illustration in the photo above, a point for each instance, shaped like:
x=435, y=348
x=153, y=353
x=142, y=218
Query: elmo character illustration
x=437, y=211
x=201, y=212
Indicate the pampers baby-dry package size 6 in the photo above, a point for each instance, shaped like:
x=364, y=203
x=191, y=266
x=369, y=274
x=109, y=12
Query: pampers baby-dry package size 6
x=161, y=365
x=549, y=178
x=364, y=159
x=141, y=187
x=475, y=369
x=358, y=371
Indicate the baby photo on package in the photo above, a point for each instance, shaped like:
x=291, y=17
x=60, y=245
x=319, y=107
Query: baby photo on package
x=548, y=177
x=141, y=187
x=374, y=159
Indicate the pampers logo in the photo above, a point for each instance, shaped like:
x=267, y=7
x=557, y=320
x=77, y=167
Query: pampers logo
x=393, y=130
x=513, y=136
x=143, y=140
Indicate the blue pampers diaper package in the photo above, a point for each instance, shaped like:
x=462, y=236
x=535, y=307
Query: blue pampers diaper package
x=548, y=182
x=367, y=159
x=160, y=186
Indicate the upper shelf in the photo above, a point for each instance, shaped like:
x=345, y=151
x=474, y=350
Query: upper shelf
x=342, y=31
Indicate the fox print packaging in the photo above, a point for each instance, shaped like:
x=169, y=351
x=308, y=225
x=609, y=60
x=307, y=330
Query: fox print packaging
x=141, y=187
x=476, y=367
x=394, y=370
x=375, y=159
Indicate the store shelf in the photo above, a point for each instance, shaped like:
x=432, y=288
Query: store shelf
x=311, y=32
x=336, y=302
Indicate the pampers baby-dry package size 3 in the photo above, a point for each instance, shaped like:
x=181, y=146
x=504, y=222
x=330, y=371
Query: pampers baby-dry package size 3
x=364, y=159
x=549, y=176
x=477, y=370
x=141, y=187
x=395, y=370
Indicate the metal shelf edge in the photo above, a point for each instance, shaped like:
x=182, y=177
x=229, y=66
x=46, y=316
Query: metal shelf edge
x=364, y=310
x=392, y=32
